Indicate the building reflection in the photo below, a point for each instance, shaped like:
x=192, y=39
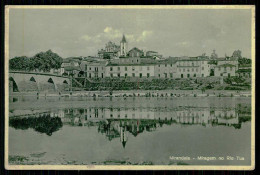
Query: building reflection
x=122, y=122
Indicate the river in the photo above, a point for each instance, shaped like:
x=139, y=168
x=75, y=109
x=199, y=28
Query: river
x=131, y=130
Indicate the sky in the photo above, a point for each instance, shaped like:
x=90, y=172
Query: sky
x=171, y=32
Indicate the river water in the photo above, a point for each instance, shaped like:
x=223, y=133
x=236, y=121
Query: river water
x=140, y=130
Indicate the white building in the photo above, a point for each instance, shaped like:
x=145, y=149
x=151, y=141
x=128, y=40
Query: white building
x=225, y=70
x=193, y=67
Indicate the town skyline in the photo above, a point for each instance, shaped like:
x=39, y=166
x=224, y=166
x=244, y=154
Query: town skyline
x=223, y=30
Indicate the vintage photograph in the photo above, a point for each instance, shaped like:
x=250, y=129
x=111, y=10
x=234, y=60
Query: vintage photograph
x=130, y=87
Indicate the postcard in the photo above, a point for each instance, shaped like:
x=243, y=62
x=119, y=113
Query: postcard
x=130, y=87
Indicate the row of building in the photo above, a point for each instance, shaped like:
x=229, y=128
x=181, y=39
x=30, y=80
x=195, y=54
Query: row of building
x=117, y=62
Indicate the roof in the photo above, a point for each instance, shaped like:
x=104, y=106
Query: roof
x=243, y=70
x=70, y=68
x=150, y=51
x=227, y=59
x=70, y=59
x=226, y=65
x=130, y=64
x=123, y=39
x=135, y=49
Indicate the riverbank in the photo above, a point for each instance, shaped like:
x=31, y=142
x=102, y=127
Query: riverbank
x=139, y=93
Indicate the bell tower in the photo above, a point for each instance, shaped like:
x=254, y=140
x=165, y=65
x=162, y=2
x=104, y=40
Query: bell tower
x=123, y=47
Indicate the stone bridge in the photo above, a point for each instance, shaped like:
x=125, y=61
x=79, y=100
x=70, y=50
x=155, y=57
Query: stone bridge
x=31, y=81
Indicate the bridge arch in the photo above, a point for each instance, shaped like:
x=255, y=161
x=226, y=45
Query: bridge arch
x=14, y=86
x=32, y=79
x=50, y=80
x=65, y=82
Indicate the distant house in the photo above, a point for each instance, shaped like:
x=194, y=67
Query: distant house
x=228, y=60
x=135, y=52
x=225, y=70
x=111, y=50
x=70, y=66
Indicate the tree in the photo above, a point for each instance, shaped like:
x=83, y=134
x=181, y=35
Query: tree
x=41, y=61
x=19, y=63
x=237, y=54
x=47, y=60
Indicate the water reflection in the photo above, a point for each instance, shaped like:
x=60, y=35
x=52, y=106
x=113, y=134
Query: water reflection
x=42, y=123
x=120, y=122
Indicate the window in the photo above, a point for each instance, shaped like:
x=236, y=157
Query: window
x=165, y=75
x=202, y=68
x=148, y=75
x=111, y=75
x=137, y=60
x=89, y=68
x=125, y=68
x=221, y=74
x=230, y=68
x=159, y=75
x=188, y=70
x=118, y=68
x=192, y=64
x=225, y=69
x=125, y=75
x=89, y=75
x=171, y=65
x=118, y=74
x=165, y=65
x=140, y=75
x=194, y=75
x=111, y=68
x=133, y=74
x=159, y=65
x=181, y=75
x=202, y=75
x=188, y=75
x=102, y=75
x=86, y=67
x=171, y=75
x=133, y=68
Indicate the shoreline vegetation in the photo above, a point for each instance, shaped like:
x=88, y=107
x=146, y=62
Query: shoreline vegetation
x=138, y=93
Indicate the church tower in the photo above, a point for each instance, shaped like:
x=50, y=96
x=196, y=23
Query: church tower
x=123, y=47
